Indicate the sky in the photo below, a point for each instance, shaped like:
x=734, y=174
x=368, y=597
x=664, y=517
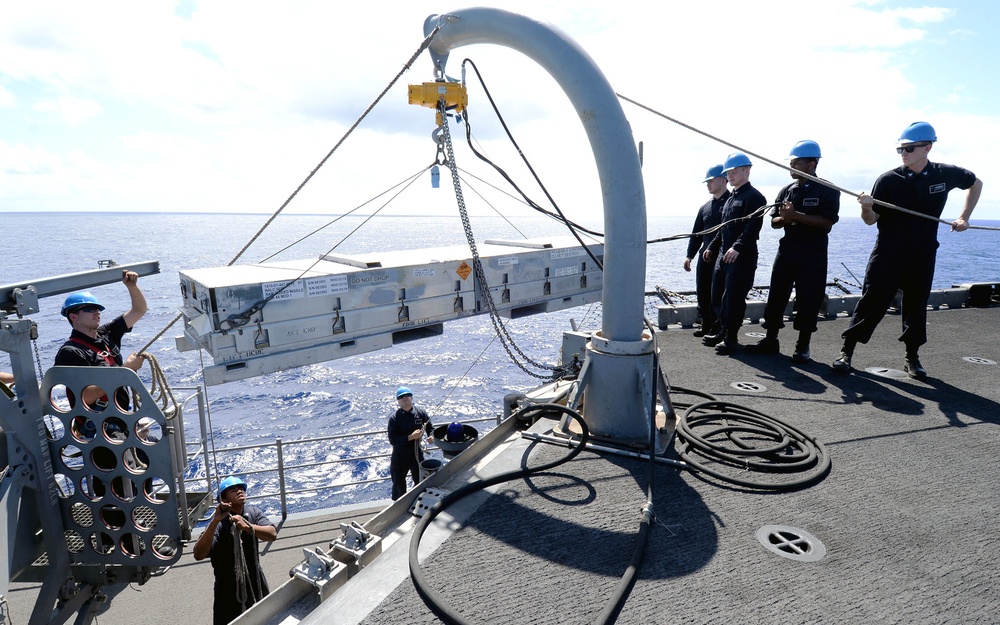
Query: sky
x=228, y=106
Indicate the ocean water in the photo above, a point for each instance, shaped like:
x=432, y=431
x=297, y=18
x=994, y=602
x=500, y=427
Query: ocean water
x=460, y=375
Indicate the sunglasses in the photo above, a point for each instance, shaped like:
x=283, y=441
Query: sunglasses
x=402, y=396
x=909, y=148
x=87, y=309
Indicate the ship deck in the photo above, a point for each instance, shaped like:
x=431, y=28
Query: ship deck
x=906, y=515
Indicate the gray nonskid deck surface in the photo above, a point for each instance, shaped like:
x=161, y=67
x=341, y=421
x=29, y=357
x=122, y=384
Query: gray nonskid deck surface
x=184, y=593
x=907, y=514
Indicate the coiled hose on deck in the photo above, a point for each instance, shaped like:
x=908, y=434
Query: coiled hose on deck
x=731, y=442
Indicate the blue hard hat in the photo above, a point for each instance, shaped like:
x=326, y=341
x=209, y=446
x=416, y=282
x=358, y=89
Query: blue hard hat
x=403, y=390
x=228, y=483
x=455, y=433
x=918, y=132
x=805, y=149
x=734, y=160
x=75, y=300
x=714, y=171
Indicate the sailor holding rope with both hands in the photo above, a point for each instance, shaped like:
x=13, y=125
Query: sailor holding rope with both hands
x=231, y=539
x=906, y=248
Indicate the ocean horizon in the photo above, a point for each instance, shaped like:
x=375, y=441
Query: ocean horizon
x=460, y=375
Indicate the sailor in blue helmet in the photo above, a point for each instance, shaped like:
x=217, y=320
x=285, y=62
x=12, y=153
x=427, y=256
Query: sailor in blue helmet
x=707, y=218
x=906, y=247
x=735, y=249
x=93, y=344
x=806, y=210
x=406, y=427
x=239, y=580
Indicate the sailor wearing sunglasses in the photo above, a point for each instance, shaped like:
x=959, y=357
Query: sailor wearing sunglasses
x=906, y=246
x=93, y=344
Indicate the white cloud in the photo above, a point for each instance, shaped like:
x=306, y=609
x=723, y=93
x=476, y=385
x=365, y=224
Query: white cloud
x=20, y=160
x=7, y=99
x=230, y=106
x=72, y=111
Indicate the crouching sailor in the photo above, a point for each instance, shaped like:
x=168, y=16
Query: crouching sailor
x=239, y=580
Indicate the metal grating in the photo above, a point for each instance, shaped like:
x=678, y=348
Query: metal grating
x=113, y=469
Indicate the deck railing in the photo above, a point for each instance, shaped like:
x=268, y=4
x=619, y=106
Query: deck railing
x=276, y=460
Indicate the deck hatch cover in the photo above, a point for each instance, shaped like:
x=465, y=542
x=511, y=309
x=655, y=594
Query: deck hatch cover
x=749, y=387
x=976, y=360
x=791, y=542
x=887, y=372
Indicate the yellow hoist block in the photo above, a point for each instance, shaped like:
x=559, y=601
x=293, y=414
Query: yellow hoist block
x=429, y=94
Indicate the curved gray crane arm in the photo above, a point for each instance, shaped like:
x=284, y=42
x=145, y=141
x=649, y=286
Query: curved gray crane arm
x=610, y=139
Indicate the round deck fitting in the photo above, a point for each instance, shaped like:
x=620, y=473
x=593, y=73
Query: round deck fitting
x=791, y=542
x=749, y=387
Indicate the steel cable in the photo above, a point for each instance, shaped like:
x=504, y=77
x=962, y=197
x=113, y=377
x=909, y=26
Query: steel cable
x=821, y=181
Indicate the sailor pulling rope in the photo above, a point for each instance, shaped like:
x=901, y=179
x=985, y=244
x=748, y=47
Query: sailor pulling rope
x=957, y=225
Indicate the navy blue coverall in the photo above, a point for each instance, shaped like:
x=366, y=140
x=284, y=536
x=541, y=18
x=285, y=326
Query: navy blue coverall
x=406, y=456
x=801, y=260
x=905, y=250
x=732, y=281
x=709, y=216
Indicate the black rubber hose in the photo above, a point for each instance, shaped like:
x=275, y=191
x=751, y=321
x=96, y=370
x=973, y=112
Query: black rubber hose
x=624, y=587
x=431, y=597
x=787, y=449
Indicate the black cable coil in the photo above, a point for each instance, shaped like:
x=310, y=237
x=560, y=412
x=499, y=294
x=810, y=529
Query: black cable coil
x=748, y=448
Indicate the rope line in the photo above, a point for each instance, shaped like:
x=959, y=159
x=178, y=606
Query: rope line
x=821, y=181
x=423, y=46
x=495, y=209
x=757, y=213
x=574, y=228
x=241, y=571
x=466, y=374
x=241, y=319
x=347, y=214
x=160, y=389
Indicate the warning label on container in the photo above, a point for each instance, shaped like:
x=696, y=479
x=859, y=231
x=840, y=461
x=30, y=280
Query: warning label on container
x=464, y=270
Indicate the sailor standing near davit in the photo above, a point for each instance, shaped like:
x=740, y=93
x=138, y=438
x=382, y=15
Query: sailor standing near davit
x=406, y=428
x=735, y=245
x=906, y=247
x=807, y=211
x=707, y=218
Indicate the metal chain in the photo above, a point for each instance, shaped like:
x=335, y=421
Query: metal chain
x=38, y=360
x=505, y=339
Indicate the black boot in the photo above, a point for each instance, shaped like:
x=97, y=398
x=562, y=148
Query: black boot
x=767, y=345
x=801, y=353
x=730, y=343
x=714, y=339
x=727, y=347
x=843, y=363
x=912, y=366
